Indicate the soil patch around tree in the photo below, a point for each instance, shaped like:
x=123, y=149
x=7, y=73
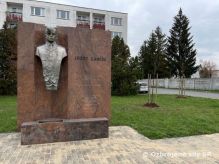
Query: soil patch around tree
x=151, y=105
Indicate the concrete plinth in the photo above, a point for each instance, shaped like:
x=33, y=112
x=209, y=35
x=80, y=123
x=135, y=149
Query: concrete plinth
x=60, y=130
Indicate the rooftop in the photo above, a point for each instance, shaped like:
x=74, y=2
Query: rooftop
x=78, y=6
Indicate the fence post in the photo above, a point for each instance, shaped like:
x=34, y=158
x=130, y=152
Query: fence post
x=194, y=83
x=211, y=83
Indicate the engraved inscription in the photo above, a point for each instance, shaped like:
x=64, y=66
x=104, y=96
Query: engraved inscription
x=91, y=58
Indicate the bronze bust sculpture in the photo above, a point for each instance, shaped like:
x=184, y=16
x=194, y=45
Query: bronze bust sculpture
x=51, y=56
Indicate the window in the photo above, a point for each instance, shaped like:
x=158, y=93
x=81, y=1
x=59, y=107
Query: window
x=38, y=11
x=83, y=18
x=116, y=34
x=98, y=20
x=62, y=14
x=14, y=9
x=12, y=25
x=116, y=21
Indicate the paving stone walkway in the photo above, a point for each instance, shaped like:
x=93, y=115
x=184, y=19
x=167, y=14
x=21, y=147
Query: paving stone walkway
x=124, y=145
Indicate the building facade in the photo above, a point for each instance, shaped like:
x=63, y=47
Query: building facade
x=52, y=14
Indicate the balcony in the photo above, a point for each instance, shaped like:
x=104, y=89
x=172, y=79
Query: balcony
x=83, y=23
x=13, y=16
x=99, y=25
x=98, y=21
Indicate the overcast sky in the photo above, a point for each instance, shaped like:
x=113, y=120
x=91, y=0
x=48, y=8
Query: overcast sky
x=145, y=15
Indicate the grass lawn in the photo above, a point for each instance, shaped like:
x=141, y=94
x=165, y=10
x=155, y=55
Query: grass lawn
x=8, y=113
x=174, y=117
x=208, y=91
x=211, y=91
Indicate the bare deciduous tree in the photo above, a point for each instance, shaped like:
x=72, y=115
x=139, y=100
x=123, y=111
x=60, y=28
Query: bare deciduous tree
x=207, y=69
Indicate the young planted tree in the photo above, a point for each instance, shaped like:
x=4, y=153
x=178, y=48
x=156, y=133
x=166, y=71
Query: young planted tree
x=123, y=77
x=153, y=60
x=8, y=55
x=181, y=54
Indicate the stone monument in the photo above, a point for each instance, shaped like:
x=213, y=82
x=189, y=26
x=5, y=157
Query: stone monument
x=64, y=83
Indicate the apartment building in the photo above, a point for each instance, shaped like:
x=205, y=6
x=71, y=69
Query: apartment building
x=53, y=14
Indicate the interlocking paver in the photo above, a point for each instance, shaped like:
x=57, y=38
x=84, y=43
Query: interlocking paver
x=124, y=145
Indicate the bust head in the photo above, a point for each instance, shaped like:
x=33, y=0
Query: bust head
x=50, y=34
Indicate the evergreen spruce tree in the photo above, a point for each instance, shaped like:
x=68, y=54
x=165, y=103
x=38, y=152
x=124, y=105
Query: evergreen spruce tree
x=181, y=54
x=152, y=55
x=160, y=66
x=146, y=55
x=123, y=77
x=144, y=58
x=8, y=56
x=135, y=67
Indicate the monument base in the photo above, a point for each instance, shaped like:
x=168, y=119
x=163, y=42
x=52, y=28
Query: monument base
x=61, y=130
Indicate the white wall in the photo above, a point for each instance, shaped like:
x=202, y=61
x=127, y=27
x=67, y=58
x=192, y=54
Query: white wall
x=195, y=83
x=123, y=29
x=3, y=8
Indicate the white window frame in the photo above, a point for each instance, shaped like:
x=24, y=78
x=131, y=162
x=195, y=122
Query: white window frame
x=83, y=18
x=99, y=20
x=59, y=14
x=116, y=21
x=114, y=34
x=14, y=9
x=42, y=11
